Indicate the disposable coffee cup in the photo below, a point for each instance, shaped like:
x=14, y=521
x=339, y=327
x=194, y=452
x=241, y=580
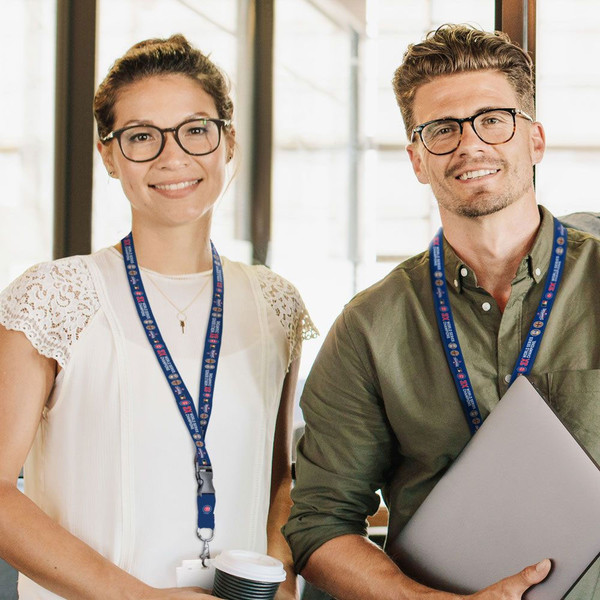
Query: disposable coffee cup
x=244, y=575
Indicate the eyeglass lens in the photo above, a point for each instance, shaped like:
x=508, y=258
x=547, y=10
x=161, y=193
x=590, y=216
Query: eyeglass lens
x=493, y=127
x=144, y=142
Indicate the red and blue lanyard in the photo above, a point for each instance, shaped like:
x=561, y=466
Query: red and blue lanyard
x=447, y=326
x=195, y=421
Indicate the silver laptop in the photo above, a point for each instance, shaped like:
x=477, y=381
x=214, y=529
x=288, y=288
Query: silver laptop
x=523, y=489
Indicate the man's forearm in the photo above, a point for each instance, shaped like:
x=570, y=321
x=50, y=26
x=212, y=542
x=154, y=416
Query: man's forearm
x=350, y=567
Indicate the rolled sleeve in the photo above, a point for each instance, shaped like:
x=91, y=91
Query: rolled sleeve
x=347, y=447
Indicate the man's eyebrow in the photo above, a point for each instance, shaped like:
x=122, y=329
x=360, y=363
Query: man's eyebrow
x=487, y=108
x=479, y=110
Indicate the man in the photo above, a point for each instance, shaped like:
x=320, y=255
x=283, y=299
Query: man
x=381, y=406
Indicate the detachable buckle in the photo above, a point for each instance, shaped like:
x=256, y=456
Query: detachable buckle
x=204, y=477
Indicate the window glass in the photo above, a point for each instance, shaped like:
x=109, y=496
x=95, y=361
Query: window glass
x=27, y=134
x=568, y=88
x=210, y=25
x=314, y=120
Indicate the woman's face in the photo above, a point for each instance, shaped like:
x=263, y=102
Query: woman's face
x=175, y=188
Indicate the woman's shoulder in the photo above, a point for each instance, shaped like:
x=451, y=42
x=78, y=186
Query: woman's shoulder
x=51, y=303
x=284, y=300
x=51, y=280
x=276, y=290
x=266, y=278
x=44, y=280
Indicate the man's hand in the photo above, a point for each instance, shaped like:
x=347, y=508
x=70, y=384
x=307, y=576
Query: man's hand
x=513, y=587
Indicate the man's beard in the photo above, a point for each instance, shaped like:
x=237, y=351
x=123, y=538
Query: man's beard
x=481, y=203
x=484, y=207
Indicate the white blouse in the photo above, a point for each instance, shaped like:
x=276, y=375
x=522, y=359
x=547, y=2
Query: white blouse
x=112, y=461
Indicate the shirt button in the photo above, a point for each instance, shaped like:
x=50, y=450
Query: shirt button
x=486, y=306
x=538, y=271
x=507, y=378
x=455, y=283
x=464, y=272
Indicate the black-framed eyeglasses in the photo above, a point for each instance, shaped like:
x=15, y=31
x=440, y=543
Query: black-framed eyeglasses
x=493, y=126
x=142, y=143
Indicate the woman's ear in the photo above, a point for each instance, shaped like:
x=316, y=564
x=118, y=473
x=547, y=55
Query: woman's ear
x=107, y=159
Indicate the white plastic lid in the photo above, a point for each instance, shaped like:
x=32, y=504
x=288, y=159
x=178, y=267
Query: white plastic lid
x=250, y=565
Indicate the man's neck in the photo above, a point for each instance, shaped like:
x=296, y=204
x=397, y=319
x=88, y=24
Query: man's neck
x=494, y=245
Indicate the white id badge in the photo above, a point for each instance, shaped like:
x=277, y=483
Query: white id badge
x=192, y=573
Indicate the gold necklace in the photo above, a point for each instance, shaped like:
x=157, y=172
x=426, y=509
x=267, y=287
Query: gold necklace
x=181, y=312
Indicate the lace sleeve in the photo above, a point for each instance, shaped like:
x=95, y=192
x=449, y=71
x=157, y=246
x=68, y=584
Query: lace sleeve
x=285, y=300
x=51, y=304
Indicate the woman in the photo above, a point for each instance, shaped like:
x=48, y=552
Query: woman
x=119, y=485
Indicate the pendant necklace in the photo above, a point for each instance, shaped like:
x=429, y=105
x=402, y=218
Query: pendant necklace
x=181, y=312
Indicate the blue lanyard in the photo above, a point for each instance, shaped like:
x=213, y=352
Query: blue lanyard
x=195, y=421
x=447, y=328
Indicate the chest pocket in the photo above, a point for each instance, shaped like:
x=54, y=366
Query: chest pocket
x=575, y=396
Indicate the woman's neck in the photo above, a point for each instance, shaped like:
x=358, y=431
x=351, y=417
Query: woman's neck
x=173, y=250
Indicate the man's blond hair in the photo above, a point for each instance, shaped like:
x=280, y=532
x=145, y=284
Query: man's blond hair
x=457, y=49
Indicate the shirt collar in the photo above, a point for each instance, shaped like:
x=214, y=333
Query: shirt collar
x=534, y=264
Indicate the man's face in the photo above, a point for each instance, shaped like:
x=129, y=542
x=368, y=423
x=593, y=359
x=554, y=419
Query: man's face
x=477, y=179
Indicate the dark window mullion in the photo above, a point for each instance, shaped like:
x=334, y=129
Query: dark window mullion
x=74, y=126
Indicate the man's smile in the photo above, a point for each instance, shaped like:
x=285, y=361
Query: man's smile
x=476, y=174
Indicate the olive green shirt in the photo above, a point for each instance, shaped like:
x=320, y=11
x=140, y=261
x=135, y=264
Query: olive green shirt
x=380, y=404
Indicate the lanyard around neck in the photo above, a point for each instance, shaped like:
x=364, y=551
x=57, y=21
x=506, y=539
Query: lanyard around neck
x=195, y=421
x=447, y=327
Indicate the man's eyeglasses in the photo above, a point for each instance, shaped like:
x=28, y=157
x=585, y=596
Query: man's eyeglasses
x=493, y=126
x=142, y=143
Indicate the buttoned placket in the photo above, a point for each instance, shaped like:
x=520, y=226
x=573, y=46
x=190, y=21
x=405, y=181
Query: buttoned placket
x=510, y=327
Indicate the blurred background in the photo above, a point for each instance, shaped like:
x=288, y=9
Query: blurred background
x=324, y=192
